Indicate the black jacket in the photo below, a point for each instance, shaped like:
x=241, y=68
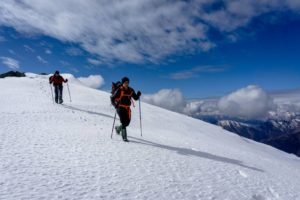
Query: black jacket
x=123, y=97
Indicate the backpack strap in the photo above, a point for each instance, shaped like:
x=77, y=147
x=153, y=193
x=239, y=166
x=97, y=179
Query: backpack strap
x=123, y=95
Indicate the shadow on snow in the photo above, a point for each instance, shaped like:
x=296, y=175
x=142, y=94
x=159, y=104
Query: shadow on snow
x=190, y=152
x=87, y=111
x=182, y=151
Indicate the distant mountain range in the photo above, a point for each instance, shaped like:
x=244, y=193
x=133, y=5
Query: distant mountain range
x=284, y=135
x=280, y=129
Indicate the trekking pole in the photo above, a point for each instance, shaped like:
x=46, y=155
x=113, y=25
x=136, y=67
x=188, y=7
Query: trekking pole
x=112, y=130
x=69, y=92
x=140, y=117
x=51, y=93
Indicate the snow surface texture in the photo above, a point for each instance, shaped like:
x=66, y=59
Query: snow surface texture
x=50, y=151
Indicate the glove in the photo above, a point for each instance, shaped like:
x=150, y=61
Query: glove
x=66, y=80
x=138, y=93
x=50, y=82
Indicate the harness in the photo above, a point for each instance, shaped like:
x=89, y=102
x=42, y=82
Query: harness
x=127, y=107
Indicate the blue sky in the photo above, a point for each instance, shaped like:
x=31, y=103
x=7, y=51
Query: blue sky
x=202, y=48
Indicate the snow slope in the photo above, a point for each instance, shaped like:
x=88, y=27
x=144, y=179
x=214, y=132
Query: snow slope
x=52, y=151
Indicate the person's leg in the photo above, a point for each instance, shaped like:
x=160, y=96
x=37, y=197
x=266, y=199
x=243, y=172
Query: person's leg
x=124, y=135
x=56, y=93
x=60, y=94
x=125, y=120
x=119, y=128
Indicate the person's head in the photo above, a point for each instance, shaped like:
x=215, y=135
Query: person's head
x=56, y=73
x=125, y=82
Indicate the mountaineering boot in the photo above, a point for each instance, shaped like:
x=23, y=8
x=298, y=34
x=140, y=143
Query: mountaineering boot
x=61, y=101
x=124, y=135
x=118, y=129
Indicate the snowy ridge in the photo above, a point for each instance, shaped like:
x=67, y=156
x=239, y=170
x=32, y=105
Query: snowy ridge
x=52, y=151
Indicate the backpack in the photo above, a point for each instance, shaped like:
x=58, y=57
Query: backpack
x=115, y=86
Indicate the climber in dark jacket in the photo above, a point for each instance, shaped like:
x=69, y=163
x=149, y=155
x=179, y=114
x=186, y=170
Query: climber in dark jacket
x=58, y=81
x=121, y=100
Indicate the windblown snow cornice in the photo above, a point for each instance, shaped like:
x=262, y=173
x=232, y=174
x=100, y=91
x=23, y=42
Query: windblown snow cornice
x=137, y=31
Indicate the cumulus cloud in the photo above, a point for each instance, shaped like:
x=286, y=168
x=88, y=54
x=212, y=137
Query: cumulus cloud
x=249, y=102
x=136, y=31
x=93, y=81
x=171, y=99
x=10, y=63
x=205, y=107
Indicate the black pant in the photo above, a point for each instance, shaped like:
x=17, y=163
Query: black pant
x=125, y=116
x=58, y=89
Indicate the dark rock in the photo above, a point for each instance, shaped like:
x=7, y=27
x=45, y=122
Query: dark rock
x=288, y=142
x=12, y=74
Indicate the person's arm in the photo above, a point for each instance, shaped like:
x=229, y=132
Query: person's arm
x=64, y=80
x=137, y=95
x=50, y=79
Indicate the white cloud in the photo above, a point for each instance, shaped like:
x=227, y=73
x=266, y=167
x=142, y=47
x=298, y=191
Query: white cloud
x=130, y=30
x=202, y=107
x=64, y=63
x=194, y=72
x=94, y=61
x=46, y=45
x=171, y=99
x=11, y=51
x=93, y=81
x=10, y=63
x=41, y=60
x=249, y=102
x=136, y=31
x=74, y=69
x=74, y=51
x=48, y=51
x=234, y=14
x=28, y=48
